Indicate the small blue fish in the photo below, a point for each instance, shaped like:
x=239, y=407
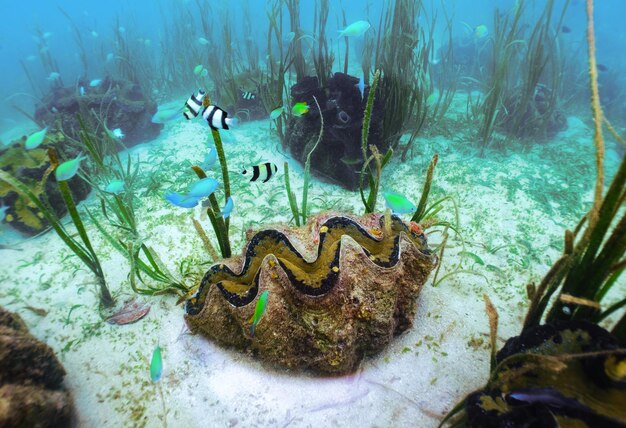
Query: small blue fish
x=3, y=212
x=118, y=133
x=34, y=140
x=228, y=208
x=398, y=203
x=68, y=169
x=203, y=188
x=275, y=114
x=81, y=91
x=116, y=187
x=355, y=29
x=209, y=159
x=156, y=365
x=95, y=82
x=183, y=201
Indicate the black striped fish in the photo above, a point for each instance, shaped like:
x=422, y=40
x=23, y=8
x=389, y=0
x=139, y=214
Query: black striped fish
x=248, y=95
x=264, y=171
x=218, y=118
x=193, y=105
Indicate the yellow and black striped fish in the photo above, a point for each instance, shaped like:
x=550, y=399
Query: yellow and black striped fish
x=193, y=105
x=264, y=171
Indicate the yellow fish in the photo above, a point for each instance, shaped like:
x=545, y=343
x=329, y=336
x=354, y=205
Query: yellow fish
x=300, y=109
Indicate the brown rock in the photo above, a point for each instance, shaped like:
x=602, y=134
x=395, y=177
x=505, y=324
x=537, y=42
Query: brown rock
x=33, y=407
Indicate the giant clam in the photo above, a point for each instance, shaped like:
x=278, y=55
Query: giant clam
x=339, y=288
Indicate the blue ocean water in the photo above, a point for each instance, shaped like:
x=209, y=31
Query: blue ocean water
x=116, y=89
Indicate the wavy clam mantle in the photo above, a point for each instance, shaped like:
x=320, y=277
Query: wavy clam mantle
x=339, y=288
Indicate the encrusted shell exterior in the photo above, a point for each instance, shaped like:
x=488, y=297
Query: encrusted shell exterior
x=339, y=289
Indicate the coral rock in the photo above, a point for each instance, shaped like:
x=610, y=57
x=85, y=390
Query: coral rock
x=30, y=168
x=339, y=156
x=31, y=379
x=564, y=374
x=339, y=289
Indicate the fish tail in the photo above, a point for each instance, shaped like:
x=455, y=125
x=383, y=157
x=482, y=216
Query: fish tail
x=232, y=122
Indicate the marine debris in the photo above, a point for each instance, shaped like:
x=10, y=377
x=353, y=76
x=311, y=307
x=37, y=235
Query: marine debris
x=339, y=289
x=31, y=379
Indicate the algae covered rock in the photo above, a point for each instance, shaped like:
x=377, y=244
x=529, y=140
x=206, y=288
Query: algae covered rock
x=30, y=167
x=116, y=103
x=338, y=156
x=31, y=379
x=339, y=289
x=565, y=374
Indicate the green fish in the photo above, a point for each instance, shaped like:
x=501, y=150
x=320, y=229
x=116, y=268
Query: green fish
x=259, y=310
x=68, y=169
x=156, y=366
x=300, y=109
x=276, y=113
x=34, y=140
x=481, y=31
x=197, y=69
x=432, y=99
x=398, y=203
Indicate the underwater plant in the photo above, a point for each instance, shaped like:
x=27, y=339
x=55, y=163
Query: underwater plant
x=272, y=83
x=506, y=36
x=83, y=248
x=568, y=370
x=299, y=63
x=300, y=217
x=526, y=108
x=220, y=225
x=323, y=61
x=400, y=87
x=373, y=173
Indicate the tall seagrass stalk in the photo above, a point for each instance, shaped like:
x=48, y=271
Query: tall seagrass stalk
x=542, y=62
x=398, y=35
x=323, y=61
x=293, y=6
x=300, y=217
x=307, y=165
x=373, y=173
x=505, y=39
x=293, y=203
x=220, y=225
x=421, y=206
x=272, y=84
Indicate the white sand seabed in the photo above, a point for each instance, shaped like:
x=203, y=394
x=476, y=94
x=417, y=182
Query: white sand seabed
x=503, y=199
